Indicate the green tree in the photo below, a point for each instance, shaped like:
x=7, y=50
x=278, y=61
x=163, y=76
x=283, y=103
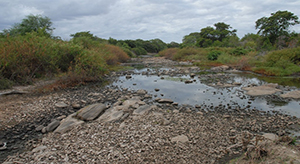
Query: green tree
x=218, y=36
x=31, y=23
x=276, y=25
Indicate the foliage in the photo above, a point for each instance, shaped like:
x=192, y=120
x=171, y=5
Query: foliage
x=218, y=36
x=280, y=63
x=276, y=25
x=29, y=24
x=239, y=51
x=184, y=52
x=168, y=53
x=139, y=51
x=213, y=55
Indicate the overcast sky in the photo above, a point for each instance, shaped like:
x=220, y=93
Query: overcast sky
x=168, y=20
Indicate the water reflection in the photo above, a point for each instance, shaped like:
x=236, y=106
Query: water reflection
x=200, y=93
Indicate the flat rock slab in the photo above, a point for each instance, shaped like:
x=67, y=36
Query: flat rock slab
x=110, y=115
x=270, y=136
x=61, y=105
x=266, y=89
x=142, y=110
x=292, y=94
x=68, y=123
x=54, y=124
x=181, y=138
x=165, y=101
x=91, y=112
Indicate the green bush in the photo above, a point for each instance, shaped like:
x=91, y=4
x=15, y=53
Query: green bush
x=238, y=51
x=139, y=51
x=182, y=53
x=213, y=55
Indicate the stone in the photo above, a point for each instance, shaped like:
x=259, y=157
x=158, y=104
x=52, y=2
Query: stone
x=2, y=146
x=61, y=105
x=128, y=76
x=54, y=124
x=266, y=89
x=91, y=112
x=68, y=123
x=293, y=94
x=220, y=68
x=188, y=81
x=142, y=110
x=141, y=92
x=39, y=128
x=44, y=130
x=76, y=106
x=270, y=136
x=111, y=115
x=192, y=75
x=165, y=101
x=156, y=89
x=181, y=138
x=39, y=148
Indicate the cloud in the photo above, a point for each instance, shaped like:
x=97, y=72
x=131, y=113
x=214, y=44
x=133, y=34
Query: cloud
x=168, y=20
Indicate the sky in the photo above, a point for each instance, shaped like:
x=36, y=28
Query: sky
x=168, y=20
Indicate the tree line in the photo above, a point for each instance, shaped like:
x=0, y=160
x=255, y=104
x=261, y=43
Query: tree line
x=273, y=33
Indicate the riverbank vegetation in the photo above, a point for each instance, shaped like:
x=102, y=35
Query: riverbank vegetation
x=274, y=51
x=29, y=51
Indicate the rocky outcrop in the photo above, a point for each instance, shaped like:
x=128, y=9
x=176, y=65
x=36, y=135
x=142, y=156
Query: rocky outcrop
x=293, y=94
x=68, y=123
x=91, y=112
x=266, y=89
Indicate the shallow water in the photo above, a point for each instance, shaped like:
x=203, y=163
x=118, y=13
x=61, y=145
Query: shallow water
x=199, y=93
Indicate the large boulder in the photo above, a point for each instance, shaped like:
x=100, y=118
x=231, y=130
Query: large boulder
x=111, y=115
x=292, y=94
x=68, y=123
x=266, y=89
x=91, y=112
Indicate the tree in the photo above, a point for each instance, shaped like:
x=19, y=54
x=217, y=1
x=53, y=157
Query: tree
x=276, y=25
x=31, y=23
x=218, y=36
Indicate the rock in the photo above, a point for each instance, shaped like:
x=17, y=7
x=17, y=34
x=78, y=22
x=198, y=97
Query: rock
x=220, y=68
x=61, y=105
x=142, y=110
x=68, y=123
x=292, y=94
x=91, y=112
x=188, y=81
x=270, y=136
x=54, y=124
x=39, y=148
x=2, y=146
x=128, y=76
x=61, y=117
x=44, y=130
x=165, y=101
x=266, y=89
x=156, y=89
x=111, y=115
x=192, y=75
x=181, y=138
x=39, y=128
x=141, y=92
x=76, y=106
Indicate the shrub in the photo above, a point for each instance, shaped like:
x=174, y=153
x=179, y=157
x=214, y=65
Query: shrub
x=239, y=51
x=184, y=52
x=139, y=51
x=213, y=55
x=168, y=53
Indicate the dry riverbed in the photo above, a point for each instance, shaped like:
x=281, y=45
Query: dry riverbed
x=126, y=126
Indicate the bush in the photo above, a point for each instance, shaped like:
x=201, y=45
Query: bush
x=213, y=55
x=139, y=51
x=239, y=51
x=184, y=52
x=168, y=53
